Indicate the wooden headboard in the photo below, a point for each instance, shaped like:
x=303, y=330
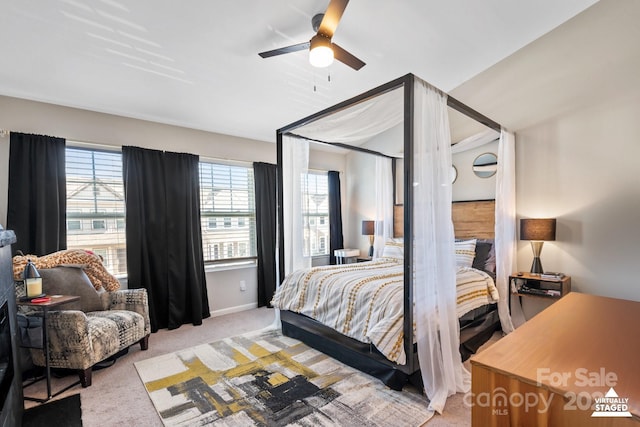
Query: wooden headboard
x=470, y=219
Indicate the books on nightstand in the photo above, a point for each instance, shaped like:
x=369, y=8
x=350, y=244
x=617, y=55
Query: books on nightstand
x=552, y=276
x=536, y=291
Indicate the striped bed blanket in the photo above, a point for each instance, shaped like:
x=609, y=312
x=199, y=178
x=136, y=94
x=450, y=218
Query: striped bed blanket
x=365, y=300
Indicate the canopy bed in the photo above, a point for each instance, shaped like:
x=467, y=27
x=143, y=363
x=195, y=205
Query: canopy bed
x=434, y=336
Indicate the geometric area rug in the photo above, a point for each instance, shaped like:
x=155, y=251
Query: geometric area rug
x=266, y=379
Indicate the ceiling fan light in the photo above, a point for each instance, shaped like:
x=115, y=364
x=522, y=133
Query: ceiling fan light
x=320, y=53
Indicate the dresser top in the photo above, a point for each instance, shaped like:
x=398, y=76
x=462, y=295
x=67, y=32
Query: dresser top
x=581, y=343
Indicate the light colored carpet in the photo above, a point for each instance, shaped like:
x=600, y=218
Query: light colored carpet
x=118, y=397
x=264, y=378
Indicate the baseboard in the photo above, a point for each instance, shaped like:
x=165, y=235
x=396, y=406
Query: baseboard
x=236, y=309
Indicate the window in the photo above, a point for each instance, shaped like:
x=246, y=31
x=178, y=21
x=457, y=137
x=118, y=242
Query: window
x=74, y=224
x=315, y=189
x=96, y=209
x=227, y=195
x=95, y=198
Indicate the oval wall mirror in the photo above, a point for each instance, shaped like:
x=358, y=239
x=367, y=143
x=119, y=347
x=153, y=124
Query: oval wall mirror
x=454, y=174
x=485, y=165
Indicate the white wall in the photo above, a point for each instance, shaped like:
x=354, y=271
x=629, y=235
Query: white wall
x=584, y=169
x=225, y=293
x=360, y=199
x=20, y=115
x=468, y=186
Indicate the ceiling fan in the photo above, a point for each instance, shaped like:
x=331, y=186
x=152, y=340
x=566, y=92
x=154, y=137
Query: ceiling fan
x=322, y=50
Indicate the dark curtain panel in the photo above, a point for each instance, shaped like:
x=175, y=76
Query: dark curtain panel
x=266, y=178
x=335, y=215
x=164, y=238
x=37, y=198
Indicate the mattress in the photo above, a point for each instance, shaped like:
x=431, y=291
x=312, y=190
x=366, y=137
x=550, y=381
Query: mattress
x=365, y=301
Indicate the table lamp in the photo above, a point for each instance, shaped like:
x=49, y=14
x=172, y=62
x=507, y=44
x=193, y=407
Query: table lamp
x=537, y=230
x=368, y=229
x=32, y=280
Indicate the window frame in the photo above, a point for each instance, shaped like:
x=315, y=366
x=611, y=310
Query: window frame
x=315, y=219
x=89, y=217
x=226, y=220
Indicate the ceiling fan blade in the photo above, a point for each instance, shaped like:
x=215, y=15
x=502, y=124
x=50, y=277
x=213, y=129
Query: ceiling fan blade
x=346, y=58
x=332, y=17
x=283, y=50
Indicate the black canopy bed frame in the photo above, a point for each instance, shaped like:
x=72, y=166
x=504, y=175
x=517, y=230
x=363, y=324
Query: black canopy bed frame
x=362, y=356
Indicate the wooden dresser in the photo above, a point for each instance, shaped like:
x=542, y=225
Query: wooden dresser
x=552, y=370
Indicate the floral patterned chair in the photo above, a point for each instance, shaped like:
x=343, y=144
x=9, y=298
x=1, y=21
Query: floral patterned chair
x=100, y=325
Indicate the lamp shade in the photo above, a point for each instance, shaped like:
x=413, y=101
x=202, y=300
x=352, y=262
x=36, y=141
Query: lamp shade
x=368, y=228
x=30, y=271
x=320, y=52
x=538, y=229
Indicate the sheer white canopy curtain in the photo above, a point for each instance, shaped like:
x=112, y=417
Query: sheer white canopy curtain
x=384, y=204
x=359, y=122
x=436, y=321
x=505, y=240
x=295, y=155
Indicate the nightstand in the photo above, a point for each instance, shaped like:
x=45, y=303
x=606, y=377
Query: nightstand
x=534, y=286
x=346, y=256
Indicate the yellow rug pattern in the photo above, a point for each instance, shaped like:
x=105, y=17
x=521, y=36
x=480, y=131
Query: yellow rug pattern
x=267, y=379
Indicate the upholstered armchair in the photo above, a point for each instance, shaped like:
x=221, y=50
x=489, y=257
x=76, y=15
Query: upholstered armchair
x=93, y=329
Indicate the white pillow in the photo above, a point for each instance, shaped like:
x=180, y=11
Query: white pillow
x=393, y=249
x=465, y=252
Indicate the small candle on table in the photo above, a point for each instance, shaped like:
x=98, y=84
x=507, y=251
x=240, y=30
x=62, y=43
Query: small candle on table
x=34, y=287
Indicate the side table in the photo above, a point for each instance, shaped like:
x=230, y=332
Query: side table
x=55, y=302
x=537, y=286
x=346, y=256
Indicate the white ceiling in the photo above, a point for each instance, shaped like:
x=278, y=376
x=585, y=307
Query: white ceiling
x=196, y=63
